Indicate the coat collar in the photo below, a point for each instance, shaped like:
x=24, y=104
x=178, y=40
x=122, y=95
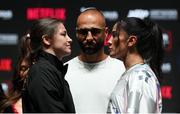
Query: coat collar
x=54, y=61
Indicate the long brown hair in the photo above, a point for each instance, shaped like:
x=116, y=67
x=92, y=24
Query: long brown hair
x=15, y=93
x=30, y=44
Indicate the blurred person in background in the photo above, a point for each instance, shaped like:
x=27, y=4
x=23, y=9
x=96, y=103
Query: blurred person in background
x=12, y=103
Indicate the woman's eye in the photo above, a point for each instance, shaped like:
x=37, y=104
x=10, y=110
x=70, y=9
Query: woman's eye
x=63, y=33
x=23, y=68
x=114, y=34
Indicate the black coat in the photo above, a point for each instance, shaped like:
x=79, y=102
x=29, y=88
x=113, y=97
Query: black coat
x=46, y=90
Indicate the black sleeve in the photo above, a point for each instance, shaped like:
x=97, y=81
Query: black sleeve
x=46, y=91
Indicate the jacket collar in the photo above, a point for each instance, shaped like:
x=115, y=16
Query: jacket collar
x=54, y=61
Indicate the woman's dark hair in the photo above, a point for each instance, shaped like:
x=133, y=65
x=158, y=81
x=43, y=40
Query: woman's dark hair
x=15, y=93
x=149, y=41
x=30, y=44
x=44, y=26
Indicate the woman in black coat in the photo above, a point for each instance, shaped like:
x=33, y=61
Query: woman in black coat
x=46, y=90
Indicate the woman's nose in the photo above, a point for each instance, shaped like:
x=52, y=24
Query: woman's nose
x=109, y=42
x=69, y=39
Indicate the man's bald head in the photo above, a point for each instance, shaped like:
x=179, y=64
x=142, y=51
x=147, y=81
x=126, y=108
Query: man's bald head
x=91, y=14
x=91, y=31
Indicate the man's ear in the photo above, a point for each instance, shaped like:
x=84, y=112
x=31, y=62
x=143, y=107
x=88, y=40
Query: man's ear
x=132, y=40
x=46, y=40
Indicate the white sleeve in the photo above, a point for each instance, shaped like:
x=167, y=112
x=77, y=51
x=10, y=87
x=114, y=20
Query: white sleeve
x=140, y=97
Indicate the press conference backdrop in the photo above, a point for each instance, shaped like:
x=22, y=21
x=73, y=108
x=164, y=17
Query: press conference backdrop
x=16, y=16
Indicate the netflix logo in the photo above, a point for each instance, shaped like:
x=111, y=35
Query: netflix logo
x=107, y=39
x=5, y=64
x=166, y=92
x=37, y=13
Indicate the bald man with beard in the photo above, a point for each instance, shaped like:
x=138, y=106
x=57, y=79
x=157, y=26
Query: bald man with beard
x=92, y=75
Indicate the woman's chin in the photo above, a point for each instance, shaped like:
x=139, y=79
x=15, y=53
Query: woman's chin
x=68, y=53
x=112, y=55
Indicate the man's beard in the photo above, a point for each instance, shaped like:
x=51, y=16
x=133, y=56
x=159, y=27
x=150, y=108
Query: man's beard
x=92, y=48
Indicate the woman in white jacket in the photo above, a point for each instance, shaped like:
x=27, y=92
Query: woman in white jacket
x=138, y=43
